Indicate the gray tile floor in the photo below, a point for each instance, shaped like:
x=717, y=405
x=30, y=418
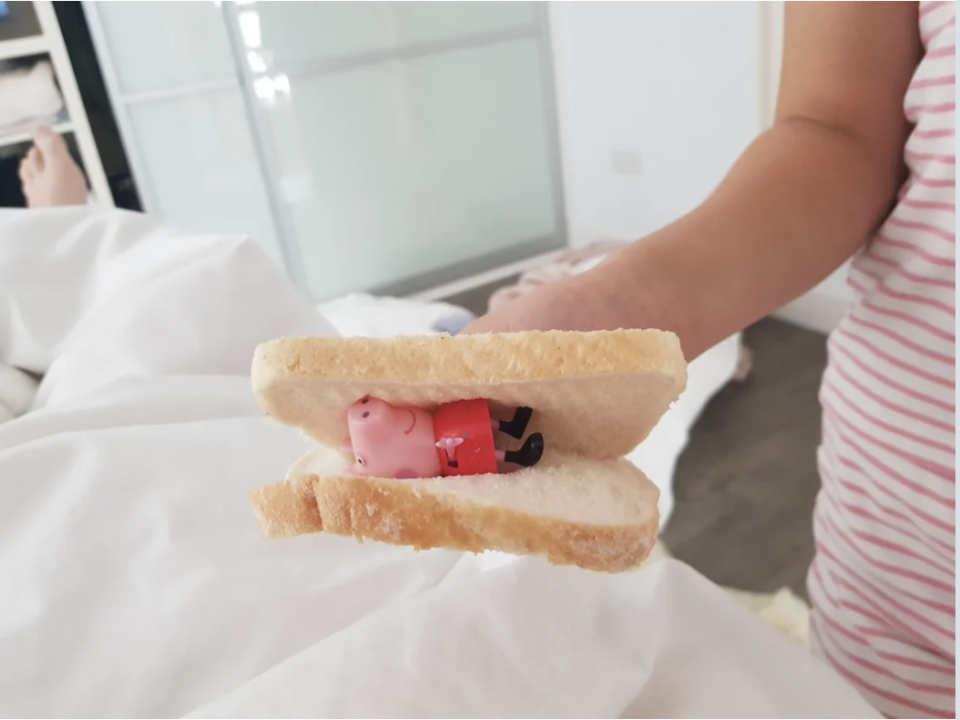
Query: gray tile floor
x=746, y=485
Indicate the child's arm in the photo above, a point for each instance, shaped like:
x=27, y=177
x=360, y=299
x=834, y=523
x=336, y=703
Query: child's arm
x=799, y=202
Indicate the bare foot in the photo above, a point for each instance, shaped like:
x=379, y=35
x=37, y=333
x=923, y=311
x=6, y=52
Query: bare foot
x=49, y=175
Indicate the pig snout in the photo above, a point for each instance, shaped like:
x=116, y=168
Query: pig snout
x=368, y=411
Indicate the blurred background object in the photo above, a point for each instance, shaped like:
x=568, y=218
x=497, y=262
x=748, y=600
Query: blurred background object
x=38, y=87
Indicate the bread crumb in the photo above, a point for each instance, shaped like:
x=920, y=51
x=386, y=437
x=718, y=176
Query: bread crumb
x=390, y=526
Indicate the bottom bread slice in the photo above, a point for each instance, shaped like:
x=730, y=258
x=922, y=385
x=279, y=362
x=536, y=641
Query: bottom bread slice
x=597, y=515
x=289, y=508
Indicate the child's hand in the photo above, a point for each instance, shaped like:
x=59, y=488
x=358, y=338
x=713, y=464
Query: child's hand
x=576, y=303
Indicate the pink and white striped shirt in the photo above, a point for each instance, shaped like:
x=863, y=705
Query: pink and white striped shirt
x=883, y=581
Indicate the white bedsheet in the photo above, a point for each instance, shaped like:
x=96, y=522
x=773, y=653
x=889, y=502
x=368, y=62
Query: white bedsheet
x=134, y=582
x=17, y=390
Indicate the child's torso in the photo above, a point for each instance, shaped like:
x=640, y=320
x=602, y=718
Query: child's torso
x=886, y=513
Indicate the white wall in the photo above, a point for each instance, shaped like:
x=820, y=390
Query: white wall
x=656, y=101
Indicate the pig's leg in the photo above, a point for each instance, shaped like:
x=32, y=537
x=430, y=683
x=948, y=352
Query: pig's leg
x=517, y=426
x=528, y=455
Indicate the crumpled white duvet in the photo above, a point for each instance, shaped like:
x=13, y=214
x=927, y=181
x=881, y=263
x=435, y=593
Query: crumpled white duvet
x=133, y=581
x=17, y=390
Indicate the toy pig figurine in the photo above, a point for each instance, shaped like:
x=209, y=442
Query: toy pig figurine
x=457, y=439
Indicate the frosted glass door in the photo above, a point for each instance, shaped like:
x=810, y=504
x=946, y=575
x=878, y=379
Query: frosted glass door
x=175, y=87
x=406, y=143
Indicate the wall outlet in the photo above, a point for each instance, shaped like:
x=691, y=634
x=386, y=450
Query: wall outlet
x=625, y=162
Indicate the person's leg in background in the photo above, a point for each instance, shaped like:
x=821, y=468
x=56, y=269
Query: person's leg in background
x=49, y=174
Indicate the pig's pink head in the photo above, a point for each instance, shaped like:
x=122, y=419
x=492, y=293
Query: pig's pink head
x=372, y=423
x=391, y=441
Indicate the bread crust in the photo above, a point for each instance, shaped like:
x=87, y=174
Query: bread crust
x=287, y=508
x=396, y=513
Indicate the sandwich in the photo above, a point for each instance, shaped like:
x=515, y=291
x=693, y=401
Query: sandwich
x=511, y=442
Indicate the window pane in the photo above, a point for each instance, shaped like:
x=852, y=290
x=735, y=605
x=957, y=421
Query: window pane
x=397, y=169
x=292, y=33
x=198, y=153
x=163, y=45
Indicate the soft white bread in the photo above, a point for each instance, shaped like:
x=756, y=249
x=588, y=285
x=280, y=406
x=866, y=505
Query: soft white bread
x=596, y=396
x=289, y=508
x=597, y=514
x=596, y=393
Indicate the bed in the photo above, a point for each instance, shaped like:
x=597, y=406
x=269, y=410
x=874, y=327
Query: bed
x=135, y=582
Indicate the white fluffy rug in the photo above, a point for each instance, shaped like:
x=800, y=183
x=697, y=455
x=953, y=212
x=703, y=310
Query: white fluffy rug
x=783, y=610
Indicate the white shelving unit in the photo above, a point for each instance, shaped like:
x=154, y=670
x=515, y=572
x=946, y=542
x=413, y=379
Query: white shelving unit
x=25, y=47
x=50, y=43
x=24, y=136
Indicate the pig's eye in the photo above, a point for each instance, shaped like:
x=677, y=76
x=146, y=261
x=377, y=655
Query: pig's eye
x=365, y=401
x=360, y=460
x=366, y=414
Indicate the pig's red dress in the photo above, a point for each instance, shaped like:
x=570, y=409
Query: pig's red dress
x=468, y=420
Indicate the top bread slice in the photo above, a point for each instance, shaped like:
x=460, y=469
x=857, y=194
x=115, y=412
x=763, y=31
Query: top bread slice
x=597, y=394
